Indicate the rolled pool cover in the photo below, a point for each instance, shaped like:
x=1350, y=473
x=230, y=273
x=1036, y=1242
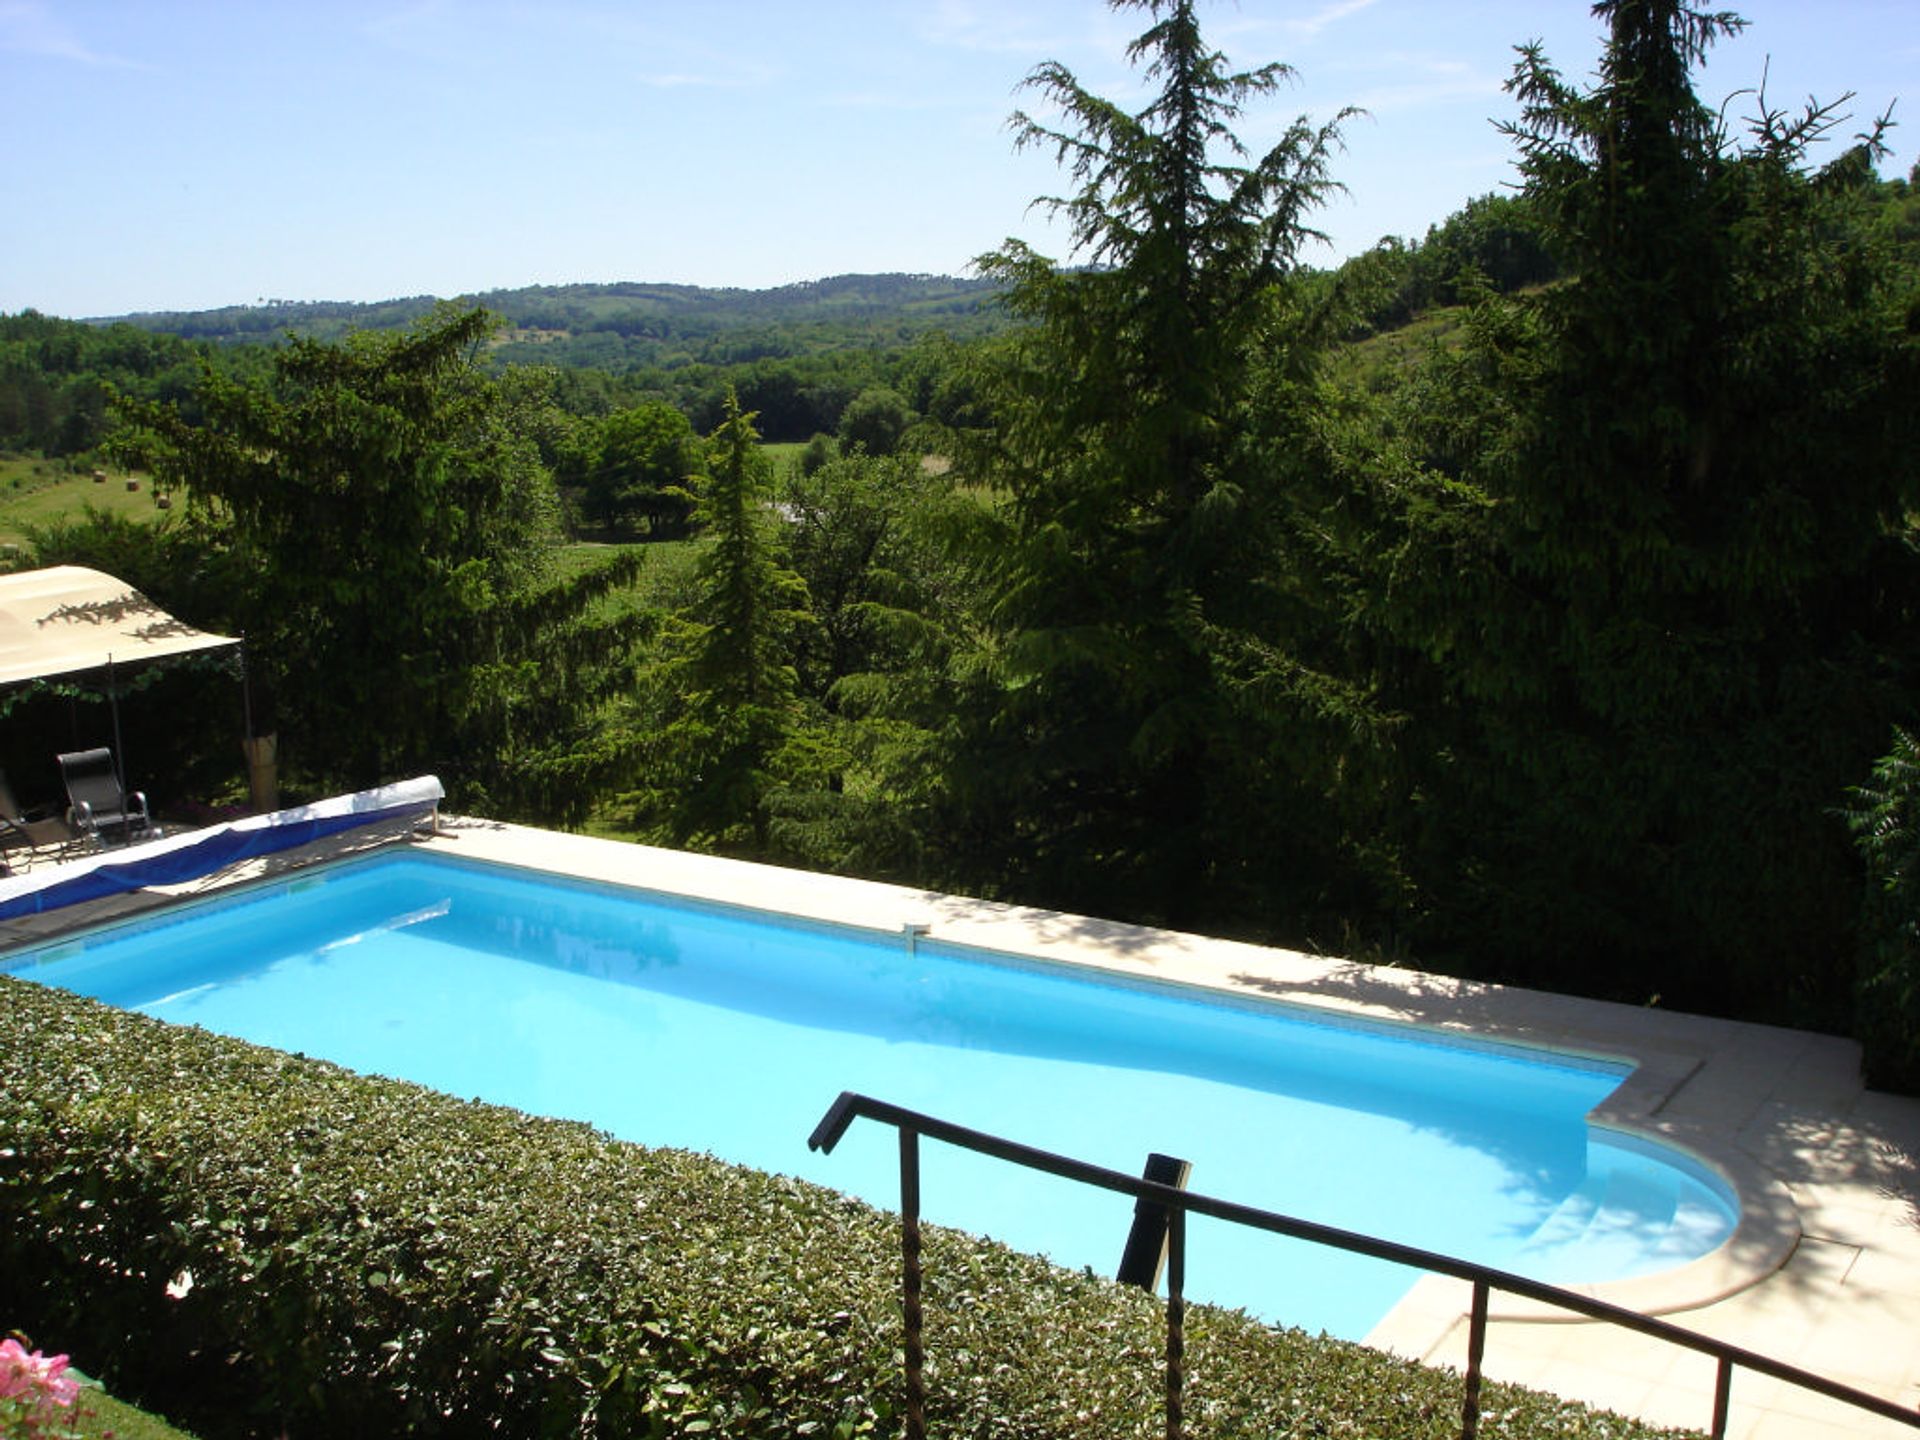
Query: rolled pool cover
x=188, y=856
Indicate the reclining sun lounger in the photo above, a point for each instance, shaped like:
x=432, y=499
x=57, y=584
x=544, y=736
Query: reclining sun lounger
x=98, y=806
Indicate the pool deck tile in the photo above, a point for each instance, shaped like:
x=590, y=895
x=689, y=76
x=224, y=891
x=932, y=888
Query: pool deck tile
x=1823, y=1273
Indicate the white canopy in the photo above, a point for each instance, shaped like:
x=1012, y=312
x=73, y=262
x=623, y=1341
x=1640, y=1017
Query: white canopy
x=67, y=619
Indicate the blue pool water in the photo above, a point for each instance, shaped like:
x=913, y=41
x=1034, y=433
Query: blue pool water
x=673, y=1023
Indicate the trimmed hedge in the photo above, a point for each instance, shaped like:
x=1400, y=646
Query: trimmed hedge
x=368, y=1257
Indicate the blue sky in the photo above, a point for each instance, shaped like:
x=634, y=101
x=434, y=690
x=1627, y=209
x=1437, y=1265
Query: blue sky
x=167, y=154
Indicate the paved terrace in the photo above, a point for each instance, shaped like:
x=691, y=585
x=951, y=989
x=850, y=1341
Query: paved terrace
x=1823, y=1273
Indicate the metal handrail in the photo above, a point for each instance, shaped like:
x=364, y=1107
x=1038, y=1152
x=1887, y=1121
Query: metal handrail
x=912, y=1124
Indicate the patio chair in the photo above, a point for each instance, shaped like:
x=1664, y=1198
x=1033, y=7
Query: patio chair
x=98, y=807
x=34, y=831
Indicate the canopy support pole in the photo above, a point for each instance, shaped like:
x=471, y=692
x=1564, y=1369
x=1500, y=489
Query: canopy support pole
x=113, y=704
x=246, y=687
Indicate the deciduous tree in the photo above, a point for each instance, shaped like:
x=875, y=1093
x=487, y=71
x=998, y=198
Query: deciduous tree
x=875, y=420
x=640, y=468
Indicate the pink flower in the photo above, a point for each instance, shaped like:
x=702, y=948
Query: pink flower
x=61, y=1388
x=16, y=1370
x=39, y=1382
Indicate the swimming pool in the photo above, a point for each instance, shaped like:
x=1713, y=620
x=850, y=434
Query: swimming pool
x=713, y=1028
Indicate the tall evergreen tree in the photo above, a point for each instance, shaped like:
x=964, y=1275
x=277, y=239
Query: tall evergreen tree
x=1658, y=591
x=1132, y=739
x=726, y=687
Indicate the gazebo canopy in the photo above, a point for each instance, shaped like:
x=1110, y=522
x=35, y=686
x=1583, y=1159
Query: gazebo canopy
x=67, y=619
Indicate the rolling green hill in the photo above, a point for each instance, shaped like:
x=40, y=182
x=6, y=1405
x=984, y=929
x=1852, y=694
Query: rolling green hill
x=625, y=326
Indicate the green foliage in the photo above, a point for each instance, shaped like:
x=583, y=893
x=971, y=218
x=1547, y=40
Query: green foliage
x=1899, y=222
x=56, y=376
x=101, y=1417
x=629, y=326
x=819, y=451
x=1492, y=245
x=1645, y=585
x=1885, y=820
x=887, y=598
x=796, y=355
x=874, y=421
x=1147, y=674
x=370, y=1258
x=720, y=701
x=793, y=397
x=641, y=467
x=392, y=530
x=861, y=532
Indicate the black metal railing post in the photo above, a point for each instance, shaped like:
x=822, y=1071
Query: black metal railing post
x=1176, y=1321
x=1722, y=1397
x=1179, y=1203
x=1476, y=1351
x=1146, y=1249
x=910, y=1311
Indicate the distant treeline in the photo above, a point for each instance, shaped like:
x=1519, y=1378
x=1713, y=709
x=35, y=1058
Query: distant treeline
x=797, y=355
x=55, y=377
x=628, y=326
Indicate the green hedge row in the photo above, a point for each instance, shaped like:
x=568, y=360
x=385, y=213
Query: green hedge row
x=259, y=1244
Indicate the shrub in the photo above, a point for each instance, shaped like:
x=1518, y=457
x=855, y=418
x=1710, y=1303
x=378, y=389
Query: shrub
x=256, y=1242
x=820, y=452
x=1885, y=820
x=875, y=420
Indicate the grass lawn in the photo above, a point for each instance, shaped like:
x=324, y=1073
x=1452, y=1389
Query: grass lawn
x=39, y=492
x=579, y=556
x=665, y=570
x=100, y=1416
x=42, y=492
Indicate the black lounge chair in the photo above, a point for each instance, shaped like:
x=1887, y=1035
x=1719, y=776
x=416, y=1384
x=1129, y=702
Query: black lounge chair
x=98, y=806
x=33, y=831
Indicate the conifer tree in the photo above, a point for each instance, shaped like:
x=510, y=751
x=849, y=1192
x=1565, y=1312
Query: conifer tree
x=1130, y=740
x=393, y=529
x=728, y=681
x=1656, y=595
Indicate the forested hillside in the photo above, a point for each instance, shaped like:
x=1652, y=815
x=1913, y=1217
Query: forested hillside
x=620, y=327
x=1536, y=601
x=56, y=375
x=797, y=355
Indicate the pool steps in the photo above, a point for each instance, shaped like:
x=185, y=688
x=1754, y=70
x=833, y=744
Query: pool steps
x=1607, y=1219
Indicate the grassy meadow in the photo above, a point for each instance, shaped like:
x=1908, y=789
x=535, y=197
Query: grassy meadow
x=37, y=493
x=40, y=492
